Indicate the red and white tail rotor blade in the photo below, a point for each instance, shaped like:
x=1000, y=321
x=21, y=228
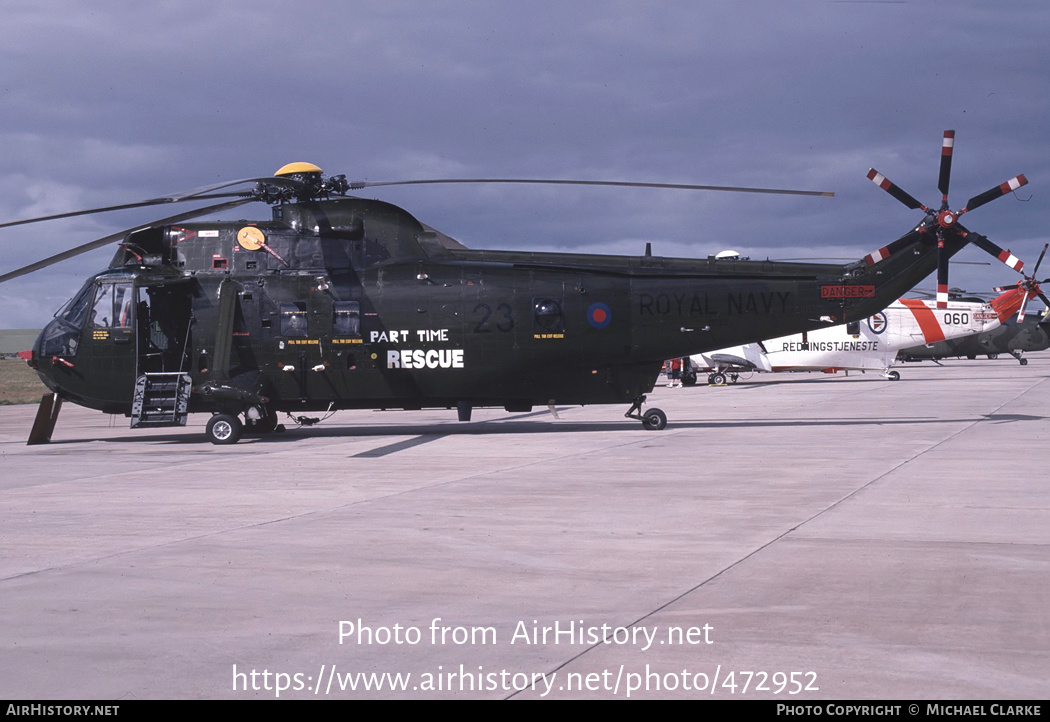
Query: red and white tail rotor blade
x=1024, y=303
x=886, y=251
x=992, y=193
x=987, y=246
x=947, y=146
x=894, y=190
x=1035, y=271
x=942, y=274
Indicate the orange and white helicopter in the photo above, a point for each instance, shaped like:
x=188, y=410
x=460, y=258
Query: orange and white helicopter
x=868, y=345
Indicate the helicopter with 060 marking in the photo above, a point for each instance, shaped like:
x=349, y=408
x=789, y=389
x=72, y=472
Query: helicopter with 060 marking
x=871, y=345
x=1026, y=333
x=340, y=302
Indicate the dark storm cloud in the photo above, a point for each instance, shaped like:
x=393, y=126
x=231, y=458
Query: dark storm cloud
x=113, y=101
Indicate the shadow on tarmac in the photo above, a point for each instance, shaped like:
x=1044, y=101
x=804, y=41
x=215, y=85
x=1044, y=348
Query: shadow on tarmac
x=424, y=433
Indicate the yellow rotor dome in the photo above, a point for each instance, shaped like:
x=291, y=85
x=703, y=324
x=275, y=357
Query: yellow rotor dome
x=293, y=168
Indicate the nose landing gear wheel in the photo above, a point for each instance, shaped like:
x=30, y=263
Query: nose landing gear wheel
x=224, y=429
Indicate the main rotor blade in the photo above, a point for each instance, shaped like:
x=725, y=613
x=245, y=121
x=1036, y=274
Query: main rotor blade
x=73, y=252
x=357, y=185
x=946, y=163
x=894, y=190
x=196, y=194
x=991, y=194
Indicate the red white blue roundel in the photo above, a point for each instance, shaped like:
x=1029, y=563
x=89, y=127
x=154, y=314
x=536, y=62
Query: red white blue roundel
x=877, y=323
x=599, y=315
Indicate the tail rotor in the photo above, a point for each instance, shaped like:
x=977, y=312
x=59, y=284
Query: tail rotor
x=1030, y=286
x=944, y=221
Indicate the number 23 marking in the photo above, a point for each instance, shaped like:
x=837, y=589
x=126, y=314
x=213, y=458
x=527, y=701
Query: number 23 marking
x=504, y=318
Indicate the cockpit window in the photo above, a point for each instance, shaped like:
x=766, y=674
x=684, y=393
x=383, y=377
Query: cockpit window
x=113, y=306
x=76, y=310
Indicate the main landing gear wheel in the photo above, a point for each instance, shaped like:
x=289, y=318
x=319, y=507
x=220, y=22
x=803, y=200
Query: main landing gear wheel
x=1023, y=361
x=224, y=429
x=263, y=425
x=893, y=376
x=717, y=379
x=654, y=420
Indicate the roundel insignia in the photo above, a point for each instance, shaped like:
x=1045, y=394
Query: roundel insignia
x=877, y=323
x=251, y=238
x=599, y=315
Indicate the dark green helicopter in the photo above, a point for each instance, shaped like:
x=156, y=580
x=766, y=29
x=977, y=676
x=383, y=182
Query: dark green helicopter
x=339, y=302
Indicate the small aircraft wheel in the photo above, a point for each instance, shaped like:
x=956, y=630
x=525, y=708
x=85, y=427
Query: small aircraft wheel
x=1023, y=361
x=717, y=379
x=263, y=425
x=654, y=420
x=224, y=429
x=993, y=356
x=893, y=376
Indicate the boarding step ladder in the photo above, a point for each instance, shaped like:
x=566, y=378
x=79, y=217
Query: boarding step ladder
x=161, y=399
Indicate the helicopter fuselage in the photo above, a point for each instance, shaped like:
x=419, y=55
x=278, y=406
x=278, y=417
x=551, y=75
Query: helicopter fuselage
x=353, y=303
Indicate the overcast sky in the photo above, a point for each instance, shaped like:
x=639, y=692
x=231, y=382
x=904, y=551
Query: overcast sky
x=109, y=102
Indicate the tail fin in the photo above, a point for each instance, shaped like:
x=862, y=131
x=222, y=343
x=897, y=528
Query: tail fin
x=1009, y=302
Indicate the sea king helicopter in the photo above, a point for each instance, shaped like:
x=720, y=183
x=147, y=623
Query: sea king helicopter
x=868, y=346
x=1014, y=337
x=341, y=302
